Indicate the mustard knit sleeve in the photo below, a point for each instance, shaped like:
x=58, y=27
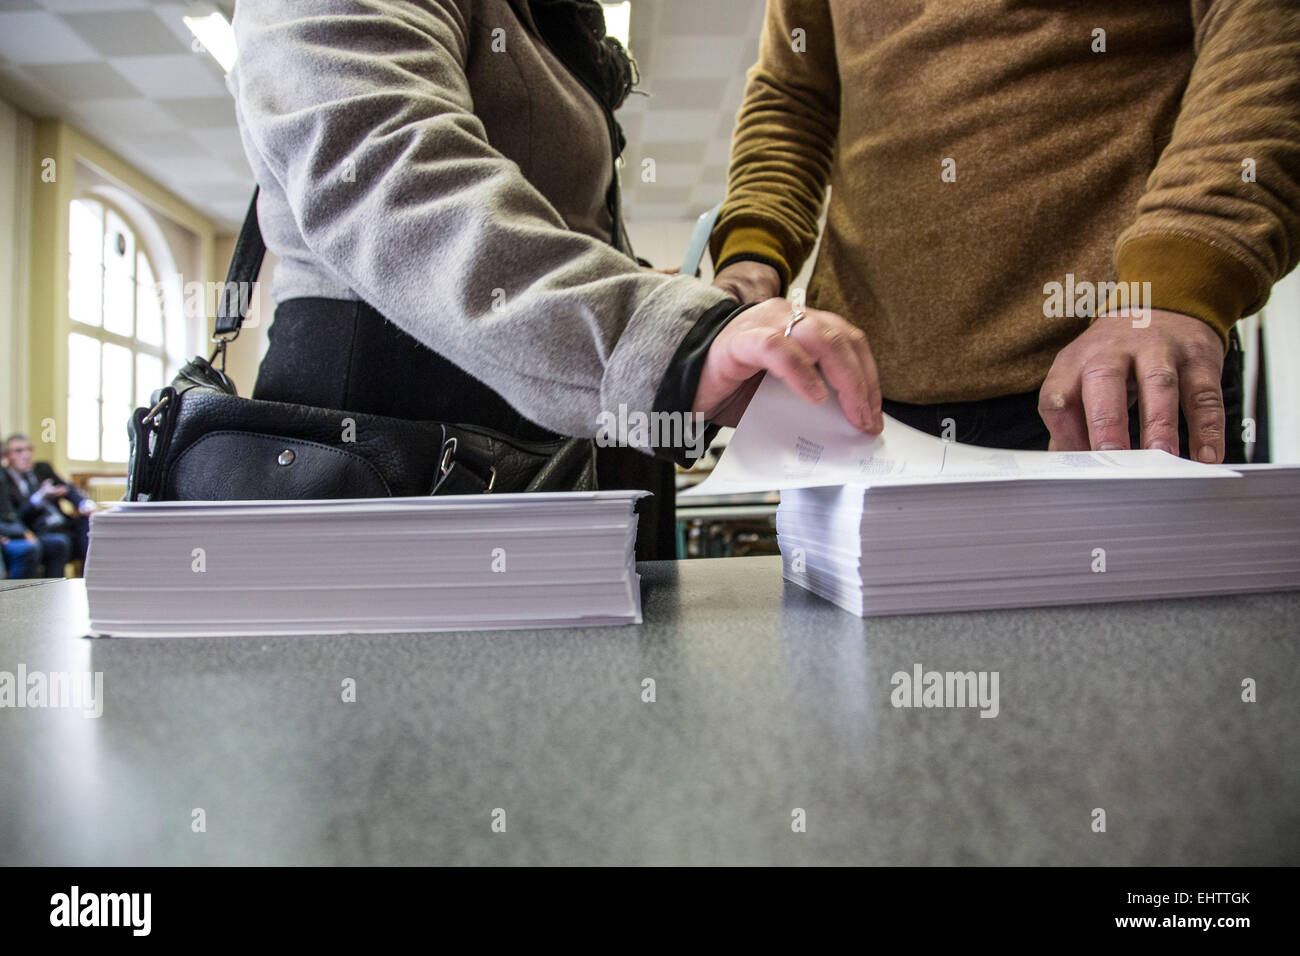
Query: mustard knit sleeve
x=1219, y=222
x=783, y=143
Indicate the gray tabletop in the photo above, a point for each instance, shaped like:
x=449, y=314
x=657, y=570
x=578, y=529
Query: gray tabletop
x=771, y=708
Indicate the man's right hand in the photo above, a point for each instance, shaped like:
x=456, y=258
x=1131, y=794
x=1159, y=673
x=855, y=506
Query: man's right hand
x=821, y=345
x=49, y=489
x=31, y=537
x=749, y=282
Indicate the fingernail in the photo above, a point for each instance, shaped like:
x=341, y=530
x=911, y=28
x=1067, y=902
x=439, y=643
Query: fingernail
x=1207, y=455
x=866, y=415
x=1161, y=446
x=1109, y=446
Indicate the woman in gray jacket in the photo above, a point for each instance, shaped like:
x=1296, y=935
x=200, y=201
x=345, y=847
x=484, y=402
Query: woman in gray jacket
x=437, y=178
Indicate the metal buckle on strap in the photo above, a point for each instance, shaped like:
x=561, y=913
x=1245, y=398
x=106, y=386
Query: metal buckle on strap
x=448, y=462
x=153, y=412
x=448, y=449
x=222, y=341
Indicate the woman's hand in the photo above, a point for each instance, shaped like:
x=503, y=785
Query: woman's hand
x=822, y=344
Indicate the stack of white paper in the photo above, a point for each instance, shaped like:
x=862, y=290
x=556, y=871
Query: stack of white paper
x=908, y=523
x=364, y=565
x=947, y=547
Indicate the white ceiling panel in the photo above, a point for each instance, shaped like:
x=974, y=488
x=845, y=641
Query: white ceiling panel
x=172, y=77
x=41, y=37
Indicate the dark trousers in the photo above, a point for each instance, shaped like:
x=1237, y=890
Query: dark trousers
x=334, y=353
x=75, y=531
x=1012, y=421
x=56, y=551
x=44, y=557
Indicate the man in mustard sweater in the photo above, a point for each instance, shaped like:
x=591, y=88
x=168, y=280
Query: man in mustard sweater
x=1040, y=217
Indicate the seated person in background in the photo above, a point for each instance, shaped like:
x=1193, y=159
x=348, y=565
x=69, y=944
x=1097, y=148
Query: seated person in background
x=26, y=554
x=39, y=490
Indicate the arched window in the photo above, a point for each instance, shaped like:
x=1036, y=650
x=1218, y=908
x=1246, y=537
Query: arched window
x=117, y=349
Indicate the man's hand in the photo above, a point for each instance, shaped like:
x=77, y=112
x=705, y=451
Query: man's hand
x=820, y=344
x=31, y=537
x=1175, y=361
x=49, y=489
x=749, y=282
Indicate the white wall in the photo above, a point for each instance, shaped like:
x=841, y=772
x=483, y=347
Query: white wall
x=15, y=228
x=1280, y=321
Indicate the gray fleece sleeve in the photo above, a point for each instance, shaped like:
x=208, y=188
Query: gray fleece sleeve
x=361, y=112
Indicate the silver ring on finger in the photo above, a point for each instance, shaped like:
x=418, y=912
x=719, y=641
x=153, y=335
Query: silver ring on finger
x=796, y=315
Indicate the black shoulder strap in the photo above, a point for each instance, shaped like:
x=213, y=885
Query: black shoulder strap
x=245, y=264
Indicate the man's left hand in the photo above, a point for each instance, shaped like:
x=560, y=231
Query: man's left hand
x=1175, y=361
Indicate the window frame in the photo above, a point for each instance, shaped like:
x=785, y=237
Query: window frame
x=104, y=336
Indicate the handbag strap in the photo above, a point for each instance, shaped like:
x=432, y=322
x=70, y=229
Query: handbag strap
x=245, y=264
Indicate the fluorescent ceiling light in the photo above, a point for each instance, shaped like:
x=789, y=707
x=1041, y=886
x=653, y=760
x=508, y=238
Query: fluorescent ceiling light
x=216, y=34
x=618, y=20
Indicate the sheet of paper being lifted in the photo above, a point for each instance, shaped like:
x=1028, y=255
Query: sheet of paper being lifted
x=784, y=441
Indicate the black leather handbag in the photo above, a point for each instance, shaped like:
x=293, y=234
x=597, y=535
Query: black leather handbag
x=200, y=441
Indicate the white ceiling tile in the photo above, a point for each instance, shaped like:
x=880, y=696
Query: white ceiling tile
x=677, y=125
x=672, y=174
x=172, y=77
x=231, y=212
x=207, y=112
x=223, y=143
x=658, y=193
x=230, y=191
x=695, y=17
x=713, y=174
x=172, y=17
x=717, y=153
x=697, y=56
x=690, y=151
x=709, y=195
x=671, y=92
x=38, y=37
x=124, y=117
x=80, y=82
x=124, y=32
x=640, y=212
x=631, y=124
x=635, y=104
x=208, y=171
x=166, y=144
x=83, y=6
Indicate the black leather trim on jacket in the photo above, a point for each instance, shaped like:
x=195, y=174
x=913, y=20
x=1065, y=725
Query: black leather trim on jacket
x=676, y=392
